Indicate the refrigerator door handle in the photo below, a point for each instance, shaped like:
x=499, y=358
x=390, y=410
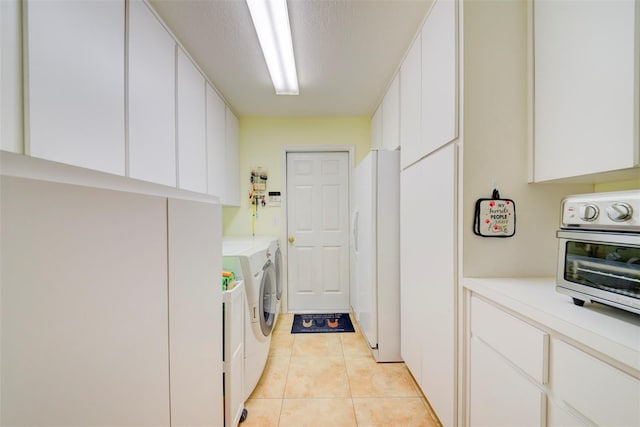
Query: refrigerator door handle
x=354, y=230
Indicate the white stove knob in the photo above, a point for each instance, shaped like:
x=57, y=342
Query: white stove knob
x=620, y=212
x=589, y=212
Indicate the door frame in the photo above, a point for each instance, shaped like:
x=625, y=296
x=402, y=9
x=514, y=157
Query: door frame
x=286, y=149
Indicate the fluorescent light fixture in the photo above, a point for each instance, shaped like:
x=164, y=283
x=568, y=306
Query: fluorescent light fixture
x=271, y=21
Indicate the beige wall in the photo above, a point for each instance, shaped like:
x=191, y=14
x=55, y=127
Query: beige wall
x=261, y=142
x=632, y=184
x=495, y=146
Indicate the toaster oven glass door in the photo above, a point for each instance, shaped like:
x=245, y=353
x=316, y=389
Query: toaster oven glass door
x=608, y=267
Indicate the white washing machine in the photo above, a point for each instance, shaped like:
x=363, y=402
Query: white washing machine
x=248, y=260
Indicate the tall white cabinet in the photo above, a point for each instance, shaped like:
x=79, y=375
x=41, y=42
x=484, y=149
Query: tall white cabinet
x=195, y=312
x=428, y=130
x=428, y=270
x=152, y=98
x=74, y=90
x=111, y=311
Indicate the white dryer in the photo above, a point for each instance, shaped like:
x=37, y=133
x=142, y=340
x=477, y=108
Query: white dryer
x=275, y=255
x=277, y=261
x=248, y=260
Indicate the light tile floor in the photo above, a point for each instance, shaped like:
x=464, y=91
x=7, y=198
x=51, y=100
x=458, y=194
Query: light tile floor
x=333, y=380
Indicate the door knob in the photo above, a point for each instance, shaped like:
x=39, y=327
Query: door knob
x=292, y=239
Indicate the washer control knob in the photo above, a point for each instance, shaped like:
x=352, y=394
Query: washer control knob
x=589, y=212
x=620, y=212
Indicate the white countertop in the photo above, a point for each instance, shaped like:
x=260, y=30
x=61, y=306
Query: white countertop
x=610, y=331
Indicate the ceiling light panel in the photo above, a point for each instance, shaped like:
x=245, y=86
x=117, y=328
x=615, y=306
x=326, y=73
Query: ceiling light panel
x=271, y=21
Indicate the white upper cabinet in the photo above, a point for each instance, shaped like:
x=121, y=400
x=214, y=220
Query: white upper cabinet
x=232, y=186
x=439, y=77
x=216, y=144
x=585, y=87
x=391, y=116
x=376, y=128
x=152, y=107
x=410, y=108
x=11, y=138
x=192, y=152
x=75, y=86
x=429, y=86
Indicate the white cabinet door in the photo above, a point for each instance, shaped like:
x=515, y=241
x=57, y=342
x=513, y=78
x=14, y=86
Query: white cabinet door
x=606, y=396
x=586, y=87
x=11, y=135
x=391, y=116
x=428, y=230
x=192, y=152
x=411, y=286
x=498, y=394
x=152, y=102
x=439, y=77
x=84, y=306
x=410, y=104
x=75, y=85
x=216, y=144
x=376, y=128
x=234, y=315
x=195, y=313
x=232, y=195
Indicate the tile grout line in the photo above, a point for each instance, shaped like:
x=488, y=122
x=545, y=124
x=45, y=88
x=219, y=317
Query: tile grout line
x=353, y=405
x=286, y=381
x=346, y=372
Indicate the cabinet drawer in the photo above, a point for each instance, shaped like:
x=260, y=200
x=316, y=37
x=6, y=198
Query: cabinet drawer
x=600, y=392
x=524, y=345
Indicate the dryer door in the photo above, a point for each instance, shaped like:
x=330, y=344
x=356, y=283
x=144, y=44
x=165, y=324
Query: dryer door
x=267, y=298
x=278, y=262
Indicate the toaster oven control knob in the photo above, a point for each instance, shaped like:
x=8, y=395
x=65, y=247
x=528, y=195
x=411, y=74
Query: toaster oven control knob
x=620, y=212
x=588, y=212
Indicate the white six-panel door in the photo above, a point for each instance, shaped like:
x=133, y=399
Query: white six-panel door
x=318, y=228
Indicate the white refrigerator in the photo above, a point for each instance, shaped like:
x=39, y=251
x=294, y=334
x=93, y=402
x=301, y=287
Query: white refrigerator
x=375, y=252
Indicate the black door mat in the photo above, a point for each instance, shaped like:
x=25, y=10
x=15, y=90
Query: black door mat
x=321, y=323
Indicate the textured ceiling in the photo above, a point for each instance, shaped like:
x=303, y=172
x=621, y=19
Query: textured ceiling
x=346, y=51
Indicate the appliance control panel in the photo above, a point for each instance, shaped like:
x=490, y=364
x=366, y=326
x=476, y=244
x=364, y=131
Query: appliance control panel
x=618, y=210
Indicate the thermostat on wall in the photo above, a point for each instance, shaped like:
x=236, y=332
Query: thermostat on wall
x=274, y=198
